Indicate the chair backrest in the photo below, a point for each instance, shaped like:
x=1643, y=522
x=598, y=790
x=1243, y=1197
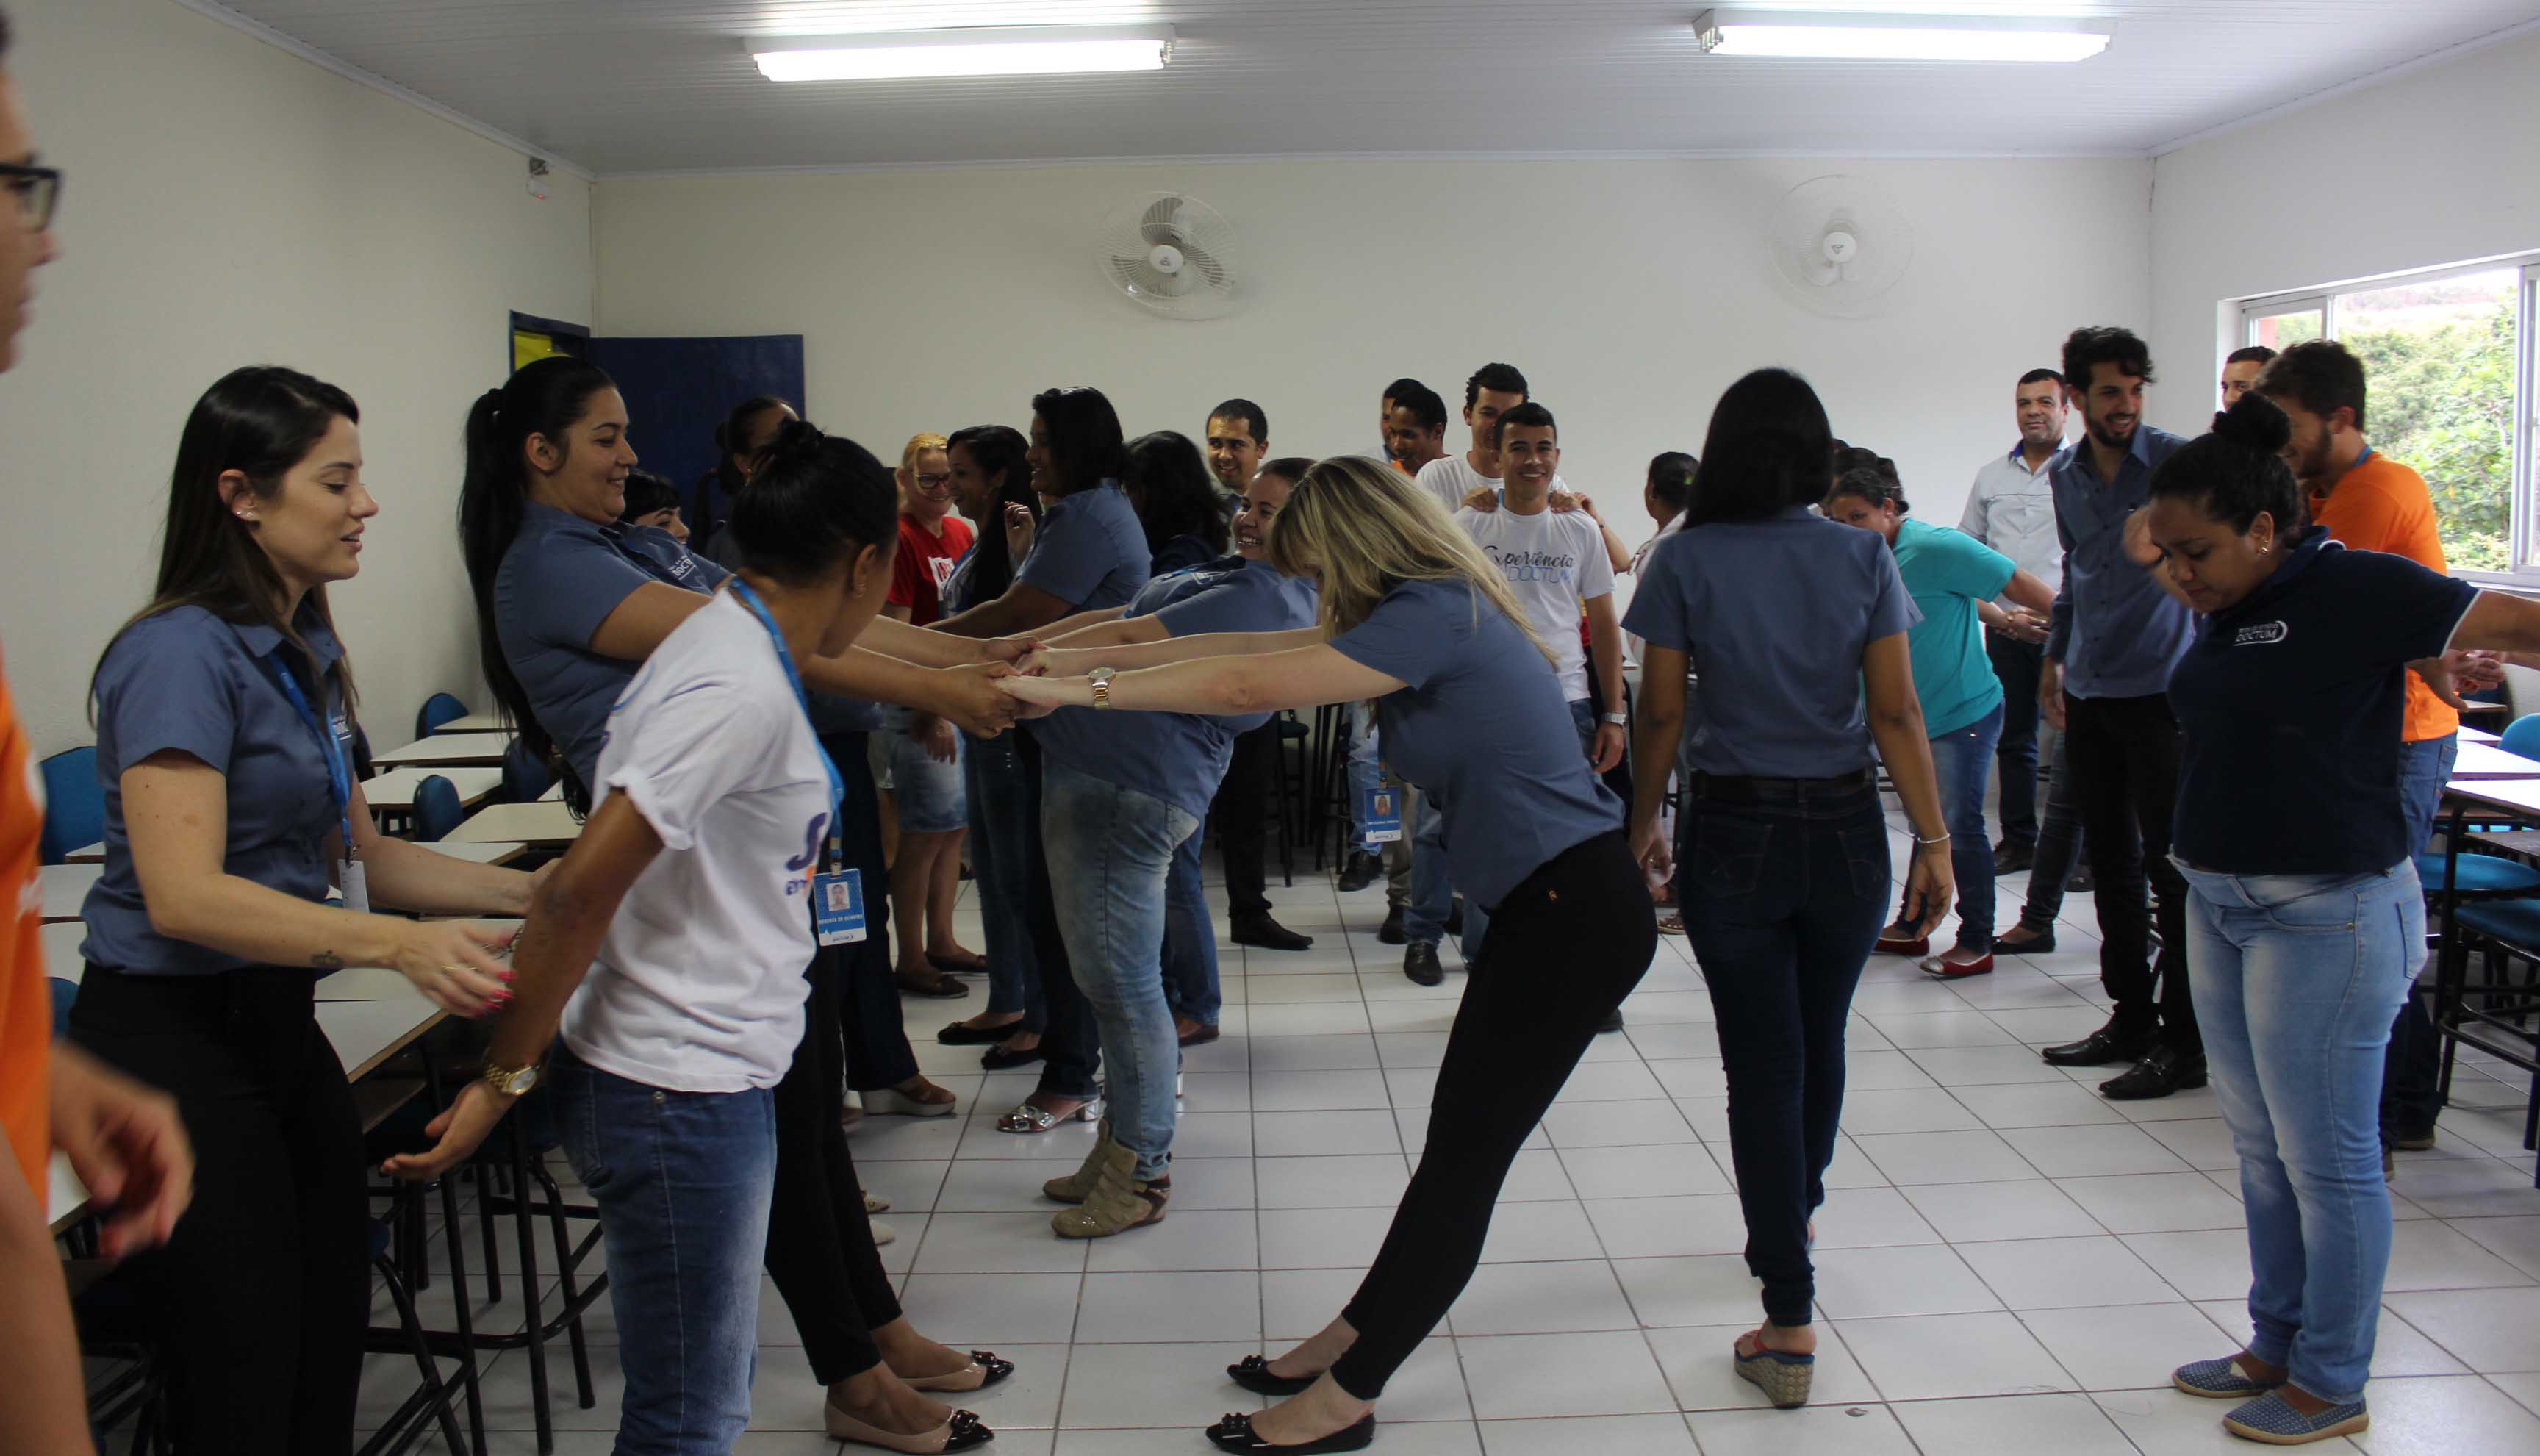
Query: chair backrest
x=523, y=777
x=2522, y=736
x=437, y=710
x=74, y=804
x=436, y=809
x=64, y=993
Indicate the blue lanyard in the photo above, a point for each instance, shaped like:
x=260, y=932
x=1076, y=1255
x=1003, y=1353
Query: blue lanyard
x=340, y=777
x=746, y=597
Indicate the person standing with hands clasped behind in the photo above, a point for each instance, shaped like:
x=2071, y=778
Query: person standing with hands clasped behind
x=714, y=825
x=2305, y=922
x=1786, y=617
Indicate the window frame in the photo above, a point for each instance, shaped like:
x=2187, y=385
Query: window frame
x=2523, y=478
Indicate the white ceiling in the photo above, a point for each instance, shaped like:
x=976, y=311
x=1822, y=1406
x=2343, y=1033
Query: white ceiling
x=622, y=87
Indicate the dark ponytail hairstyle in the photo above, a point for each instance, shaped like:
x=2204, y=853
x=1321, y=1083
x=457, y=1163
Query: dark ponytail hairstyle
x=1085, y=445
x=1670, y=478
x=1168, y=483
x=1765, y=452
x=733, y=435
x=1874, y=486
x=2235, y=472
x=997, y=452
x=259, y=420
x=542, y=397
x=813, y=500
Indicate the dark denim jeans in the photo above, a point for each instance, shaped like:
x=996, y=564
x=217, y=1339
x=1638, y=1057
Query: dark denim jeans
x=1190, y=938
x=682, y=1181
x=1963, y=761
x=1002, y=837
x=1781, y=903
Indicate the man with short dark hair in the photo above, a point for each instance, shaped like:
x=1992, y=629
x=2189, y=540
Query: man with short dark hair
x=1238, y=434
x=2011, y=508
x=2104, y=680
x=1415, y=427
x=1492, y=391
x=2240, y=371
x=2368, y=501
x=1384, y=416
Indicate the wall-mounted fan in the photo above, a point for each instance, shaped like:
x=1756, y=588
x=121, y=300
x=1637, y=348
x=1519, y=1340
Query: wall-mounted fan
x=1840, y=243
x=1171, y=255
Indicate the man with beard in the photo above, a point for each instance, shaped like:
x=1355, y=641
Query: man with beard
x=2370, y=502
x=2115, y=637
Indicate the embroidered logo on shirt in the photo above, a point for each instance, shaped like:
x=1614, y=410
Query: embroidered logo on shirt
x=2261, y=633
x=810, y=844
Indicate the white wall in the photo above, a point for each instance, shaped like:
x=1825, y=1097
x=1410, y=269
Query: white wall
x=228, y=203
x=1631, y=293
x=2431, y=166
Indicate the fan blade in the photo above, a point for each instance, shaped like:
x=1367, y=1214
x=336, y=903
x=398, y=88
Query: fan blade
x=1137, y=276
x=1161, y=222
x=1204, y=263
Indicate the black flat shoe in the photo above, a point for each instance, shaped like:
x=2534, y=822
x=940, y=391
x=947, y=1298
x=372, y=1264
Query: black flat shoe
x=2039, y=942
x=2161, y=1072
x=1234, y=1433
x=1613, y=1021
x=998, y=1059
x=961, y=1034
x=2109, y=1045
x=1252, y=1372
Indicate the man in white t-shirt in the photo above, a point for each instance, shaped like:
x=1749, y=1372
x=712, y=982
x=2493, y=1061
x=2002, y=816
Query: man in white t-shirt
x=1492, y=391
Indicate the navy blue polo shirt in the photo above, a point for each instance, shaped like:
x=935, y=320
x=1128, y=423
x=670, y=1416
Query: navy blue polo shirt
x=2290, y=704
x=187, y=681
x=2116, y=632
x=1180, y=757
x=1089, y=552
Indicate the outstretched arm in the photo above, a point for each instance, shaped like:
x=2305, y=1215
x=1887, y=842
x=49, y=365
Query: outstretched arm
x=1305, y=676
x=1071, y=661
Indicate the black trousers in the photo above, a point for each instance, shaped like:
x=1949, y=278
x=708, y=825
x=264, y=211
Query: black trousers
x=2018, y=664
x=1243, y=810
x=1566, y=946
x=1070, y=1045
x=878, y=1051
x=258, y=1303
x=2122, y=754
x=820, y=1242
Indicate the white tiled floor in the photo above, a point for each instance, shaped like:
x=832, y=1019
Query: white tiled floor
x=2008, y=1262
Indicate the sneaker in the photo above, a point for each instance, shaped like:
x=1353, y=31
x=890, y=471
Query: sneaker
x=2272, y=1419
x=1391, y=932
x=1361, y=870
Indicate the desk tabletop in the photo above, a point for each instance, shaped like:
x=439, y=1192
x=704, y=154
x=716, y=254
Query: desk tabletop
x=2522, y=794
x=543, y=824
x=395, y=789
x=2470, y=734
x=482, y=749
x=473, y=723
x=65, y=888
x=482, y=851
x=87, y=854
x=2487, y=761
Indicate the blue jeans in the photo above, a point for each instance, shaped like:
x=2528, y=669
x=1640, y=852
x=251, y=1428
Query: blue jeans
x=1110, y=851
x=1963, y=761
x=682, y=1181
x=1000, y=842
x=1365, y=771
x=1190, y=939
x=2412, y=1072
x=1432, y=889
x=1781, y=903
x=928, y=790
x=2296, y=977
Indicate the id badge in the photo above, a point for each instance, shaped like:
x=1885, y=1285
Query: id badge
x=838, y=907
x=356, y=889
x=1381, y=809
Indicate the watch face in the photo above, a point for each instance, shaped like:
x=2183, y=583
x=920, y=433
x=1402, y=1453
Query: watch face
x=521, y=1081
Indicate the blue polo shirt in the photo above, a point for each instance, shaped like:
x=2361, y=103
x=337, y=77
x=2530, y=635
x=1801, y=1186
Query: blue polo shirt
x=1949, y=573
x=186, y=680
x=1482, y=728
x=1089, y=552
x=1774, y=615
x=1180, y=757
x=2290, y=703
x=2116, y=632
x=560, y=579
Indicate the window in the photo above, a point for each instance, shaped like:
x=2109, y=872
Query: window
x=2448, y=364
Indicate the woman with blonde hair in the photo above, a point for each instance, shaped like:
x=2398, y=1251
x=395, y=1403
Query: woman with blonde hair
x=923, y=751
x=1415, y=618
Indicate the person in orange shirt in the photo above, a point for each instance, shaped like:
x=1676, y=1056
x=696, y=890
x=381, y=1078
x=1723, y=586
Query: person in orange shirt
x=2370, y=502
x=122, y=1139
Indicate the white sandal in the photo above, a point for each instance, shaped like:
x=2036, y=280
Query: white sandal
x=1029, y=1120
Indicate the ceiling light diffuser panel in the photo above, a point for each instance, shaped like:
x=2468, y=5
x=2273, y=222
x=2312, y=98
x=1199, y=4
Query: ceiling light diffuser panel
x=1800, y=35
x=1024, y=50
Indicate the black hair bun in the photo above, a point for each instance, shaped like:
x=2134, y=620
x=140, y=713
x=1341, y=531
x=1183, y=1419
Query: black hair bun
x=2255, y=422
x=793, y=441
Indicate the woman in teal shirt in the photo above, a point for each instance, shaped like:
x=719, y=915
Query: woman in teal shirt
x=1949, y=575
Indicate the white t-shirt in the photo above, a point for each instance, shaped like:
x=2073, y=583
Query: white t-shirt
x=1556, y=564
x=698, y=987
x=1450, y=478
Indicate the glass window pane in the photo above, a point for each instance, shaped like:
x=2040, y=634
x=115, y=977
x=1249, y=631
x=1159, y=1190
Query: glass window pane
x=2439, y=362
x=2283, y=330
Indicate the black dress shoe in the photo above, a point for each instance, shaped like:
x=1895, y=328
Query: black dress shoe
x=1267, y=933
x=2161, y=1072
x=1360, y=873
x=1613, y=1021
x=1234, y=1433
x=2111, y=1045
x=2010, y=859
x=1420, y=963
x=1252, y=1372
x=1391, y=932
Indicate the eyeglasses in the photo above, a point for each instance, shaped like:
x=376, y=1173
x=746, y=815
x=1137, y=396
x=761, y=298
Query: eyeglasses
x=931, y=483
x=38, y=189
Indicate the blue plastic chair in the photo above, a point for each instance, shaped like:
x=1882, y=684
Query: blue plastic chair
x=2480, y=875
x=74, y=804
x=523, y=777
x=2522, y=736
x=437, y=810
x=64, y=993
x=437, y=710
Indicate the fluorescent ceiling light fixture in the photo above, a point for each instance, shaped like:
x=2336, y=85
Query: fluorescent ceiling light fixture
x=1022, y=50
x=1856, y=36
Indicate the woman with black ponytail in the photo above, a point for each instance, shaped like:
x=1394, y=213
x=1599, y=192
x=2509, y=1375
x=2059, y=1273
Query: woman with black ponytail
x=2305, y=923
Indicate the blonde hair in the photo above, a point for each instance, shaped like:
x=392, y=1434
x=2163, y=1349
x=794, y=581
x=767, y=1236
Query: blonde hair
x=918, y=444
x=1366, y=528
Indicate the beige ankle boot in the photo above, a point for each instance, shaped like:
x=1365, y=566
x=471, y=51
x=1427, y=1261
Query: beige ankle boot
x=1074, y=1188
x=1118, y=1200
